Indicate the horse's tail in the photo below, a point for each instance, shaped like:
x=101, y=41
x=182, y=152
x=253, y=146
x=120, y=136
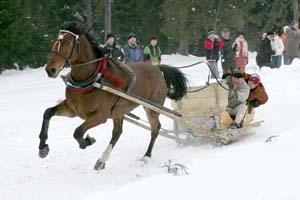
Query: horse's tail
x=175, y=80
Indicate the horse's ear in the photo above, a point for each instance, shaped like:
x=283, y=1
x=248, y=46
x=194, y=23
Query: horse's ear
x=73, y=26
x=81, y=27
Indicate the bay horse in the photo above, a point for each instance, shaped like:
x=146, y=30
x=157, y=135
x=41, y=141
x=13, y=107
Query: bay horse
x=76, y=48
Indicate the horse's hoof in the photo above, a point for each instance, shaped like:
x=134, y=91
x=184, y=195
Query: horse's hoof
x=83, y=143
x=146, y=159
x=44, y=152
x=90, y=140
x=99, y=165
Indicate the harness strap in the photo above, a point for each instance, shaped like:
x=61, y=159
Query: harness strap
x=66, y=31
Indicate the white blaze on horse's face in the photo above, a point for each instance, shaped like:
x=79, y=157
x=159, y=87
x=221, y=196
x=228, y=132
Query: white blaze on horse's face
x=61, y=53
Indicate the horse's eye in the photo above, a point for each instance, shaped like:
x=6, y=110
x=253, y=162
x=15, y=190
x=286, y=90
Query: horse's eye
x=67, y=43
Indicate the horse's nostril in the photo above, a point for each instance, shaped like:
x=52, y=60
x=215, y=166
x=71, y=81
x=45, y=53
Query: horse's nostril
x=52, y=70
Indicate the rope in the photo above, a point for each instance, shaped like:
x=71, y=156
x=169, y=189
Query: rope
x=187, y=66
x=210, y=70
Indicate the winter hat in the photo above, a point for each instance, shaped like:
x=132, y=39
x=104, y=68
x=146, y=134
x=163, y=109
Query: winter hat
x=241, y=33
x=285, y=28
x=225, y=30
x=131, y=35
x=153, y=38
x=109, y=36
x=254, y=78
x=270, y=33
x=237, y=73
x=210, y=32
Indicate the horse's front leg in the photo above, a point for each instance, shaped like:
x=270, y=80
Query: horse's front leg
x=116, y=133
x=92, y=121
x=59, y=110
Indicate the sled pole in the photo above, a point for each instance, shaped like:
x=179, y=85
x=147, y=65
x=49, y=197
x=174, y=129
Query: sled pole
x=150, y=105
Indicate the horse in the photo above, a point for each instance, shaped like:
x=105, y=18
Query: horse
x=78, y=49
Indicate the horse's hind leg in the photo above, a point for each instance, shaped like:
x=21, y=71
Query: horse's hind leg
x=61, y=110
x=153, y=118
x=116, y=133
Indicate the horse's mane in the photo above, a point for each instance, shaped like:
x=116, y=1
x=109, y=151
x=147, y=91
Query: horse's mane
x=79, y=29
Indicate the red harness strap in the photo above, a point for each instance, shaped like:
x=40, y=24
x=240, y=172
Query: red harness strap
x=102, y=67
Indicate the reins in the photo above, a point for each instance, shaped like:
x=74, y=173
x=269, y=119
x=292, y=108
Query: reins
x=86, y=63
x=210, y=69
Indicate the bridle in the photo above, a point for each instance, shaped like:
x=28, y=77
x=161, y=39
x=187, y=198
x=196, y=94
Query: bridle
x=76, y=43
x=60, y=37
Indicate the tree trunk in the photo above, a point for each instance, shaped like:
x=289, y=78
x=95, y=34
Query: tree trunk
x=296, y=10
x=183, y=38
x=183, y=48
x=107, y=28
x=89, y=16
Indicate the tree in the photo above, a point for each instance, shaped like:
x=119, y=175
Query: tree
x=28, y=28
x=107, y=16
x=187, y=22
x=296, y=10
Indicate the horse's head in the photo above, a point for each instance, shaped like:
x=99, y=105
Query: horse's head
x=65, y=50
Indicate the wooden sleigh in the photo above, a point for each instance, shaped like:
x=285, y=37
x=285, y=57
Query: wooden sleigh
x=207, y=107
x=199, y=117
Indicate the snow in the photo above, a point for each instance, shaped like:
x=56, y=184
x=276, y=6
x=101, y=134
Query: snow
x=251, y=169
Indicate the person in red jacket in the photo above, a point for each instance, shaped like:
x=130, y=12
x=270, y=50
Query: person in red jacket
x=284, y=53
x=212, y=45
x=241, y=59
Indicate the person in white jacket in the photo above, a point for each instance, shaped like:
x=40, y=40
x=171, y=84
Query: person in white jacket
x=277, y=47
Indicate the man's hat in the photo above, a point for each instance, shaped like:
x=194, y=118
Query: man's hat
x=131, y=35
x=109, y=36
x=225, y=30
x=285, y=28
x=210, y=32
x=254, y=78
x=237, y=73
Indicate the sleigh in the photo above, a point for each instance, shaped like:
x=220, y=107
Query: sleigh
x=206, y=106
x=199, y=117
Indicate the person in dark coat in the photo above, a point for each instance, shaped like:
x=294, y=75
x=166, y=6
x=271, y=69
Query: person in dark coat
x=133, y=52
x=112, y=49
x=292, y=41
x=227, y=53
x=264, y=50
x=212, y=45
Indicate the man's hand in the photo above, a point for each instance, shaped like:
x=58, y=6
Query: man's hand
x=255, y=103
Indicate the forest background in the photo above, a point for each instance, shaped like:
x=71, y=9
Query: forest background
x=29, y=27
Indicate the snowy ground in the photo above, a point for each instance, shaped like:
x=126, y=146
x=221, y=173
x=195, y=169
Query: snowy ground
x=248, y=170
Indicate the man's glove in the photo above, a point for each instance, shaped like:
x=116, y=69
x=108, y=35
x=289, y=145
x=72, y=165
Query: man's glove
x=255, y=103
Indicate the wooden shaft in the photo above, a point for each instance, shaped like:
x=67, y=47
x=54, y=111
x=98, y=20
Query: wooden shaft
x=169, y=113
